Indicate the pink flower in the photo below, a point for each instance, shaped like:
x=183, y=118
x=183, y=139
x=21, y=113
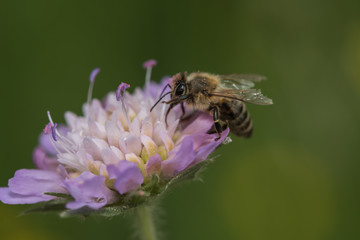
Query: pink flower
x=114, y=149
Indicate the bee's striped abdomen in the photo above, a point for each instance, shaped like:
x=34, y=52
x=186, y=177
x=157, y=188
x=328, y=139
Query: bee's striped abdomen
x=238, y=118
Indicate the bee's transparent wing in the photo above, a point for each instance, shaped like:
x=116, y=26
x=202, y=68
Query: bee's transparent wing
x=246, y=95
x=239, y=81
x=254, y=96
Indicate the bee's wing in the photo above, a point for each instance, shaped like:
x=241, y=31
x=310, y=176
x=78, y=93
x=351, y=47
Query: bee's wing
x=246, y=95
x=239, y=81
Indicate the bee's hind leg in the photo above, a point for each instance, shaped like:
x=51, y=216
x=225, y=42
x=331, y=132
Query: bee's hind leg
x=217, y=124
x=226, y=125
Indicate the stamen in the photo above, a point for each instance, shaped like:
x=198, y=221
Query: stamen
x=93, y=75
x=65, y=143
x=51, y=140
x=47, y=128
x=53, y=125
x=148, y=65
x=121, y=90
x=120, y=96
x=53, y=132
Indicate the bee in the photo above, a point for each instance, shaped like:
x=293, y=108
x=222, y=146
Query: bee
x=223, y=96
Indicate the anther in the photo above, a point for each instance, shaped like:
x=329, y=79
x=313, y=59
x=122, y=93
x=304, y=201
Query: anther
x=148, y=65
x=120, y=95
x=47, y=128
x=121, y=90
x=93, y=75
x=53, y=132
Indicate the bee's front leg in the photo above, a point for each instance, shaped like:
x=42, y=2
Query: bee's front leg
x=217, y=124
x=167, y=113
x=182, y=109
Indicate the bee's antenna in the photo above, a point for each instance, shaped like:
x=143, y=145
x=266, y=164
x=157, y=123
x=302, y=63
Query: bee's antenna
x=167, y=85
x=159, y=100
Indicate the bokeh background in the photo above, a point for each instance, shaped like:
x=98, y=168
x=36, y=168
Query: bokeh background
x=296, y=178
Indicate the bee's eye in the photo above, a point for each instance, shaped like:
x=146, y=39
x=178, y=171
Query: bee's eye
x=180, y=90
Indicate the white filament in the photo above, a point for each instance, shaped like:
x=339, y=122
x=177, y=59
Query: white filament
x=147, y=79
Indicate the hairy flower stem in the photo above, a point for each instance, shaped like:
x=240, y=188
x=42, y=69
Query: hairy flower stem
x=146, y=223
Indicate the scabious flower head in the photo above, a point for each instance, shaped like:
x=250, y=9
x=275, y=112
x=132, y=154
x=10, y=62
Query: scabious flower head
x=116, y=156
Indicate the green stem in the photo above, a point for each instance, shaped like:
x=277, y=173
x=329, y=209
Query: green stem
x=146, y=223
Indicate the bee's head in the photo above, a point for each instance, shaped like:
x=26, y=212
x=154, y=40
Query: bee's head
x=179, y=86
x=179, y=89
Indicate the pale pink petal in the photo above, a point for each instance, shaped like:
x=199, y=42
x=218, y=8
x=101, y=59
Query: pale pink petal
x=147, y=127
x=109, y=157
x=113, y=133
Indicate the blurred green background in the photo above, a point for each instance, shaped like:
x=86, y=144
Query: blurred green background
x=296, y=178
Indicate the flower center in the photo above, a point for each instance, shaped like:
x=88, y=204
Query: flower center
x=121, y=127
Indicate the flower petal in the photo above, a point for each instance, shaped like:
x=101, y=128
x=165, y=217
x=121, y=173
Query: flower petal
x=204, y=151
x=202, y=123
x=8, y=197
x=89, y=190
x=96, y=129
x=93, y=146
x=29, y=186
x=71, y=120
x=153, y=165
x=35, y=182
x=135, y=127
x=169, y=144
x=149, y=145
x=42, y=161
x=113, y=133
x=184, y=156
x=130, y=144
x=46, y=144
x=147, y=127
x=127, y=176
x=109, y=157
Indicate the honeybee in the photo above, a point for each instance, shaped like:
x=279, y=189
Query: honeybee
x=223, y=96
